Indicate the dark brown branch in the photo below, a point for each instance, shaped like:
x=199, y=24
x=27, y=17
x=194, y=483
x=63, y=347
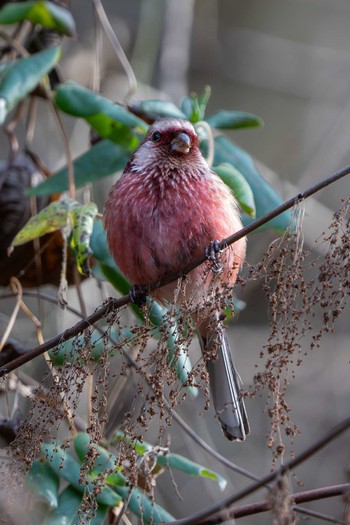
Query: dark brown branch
x=109, y=306
x=222, y=506
x=113, y=304
x=318, y=515
x=264, y=506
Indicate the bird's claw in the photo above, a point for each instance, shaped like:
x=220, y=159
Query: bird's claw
x=211, y=252
x=138, y=294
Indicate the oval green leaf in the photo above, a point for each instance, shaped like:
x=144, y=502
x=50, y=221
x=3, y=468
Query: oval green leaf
x=41, y=480
x=174, y=461
x=265, y=197
x=234, y=120
x=177, y=462
x=239, y=186
x=67, y=512
x=109, y=120
x=70, y=351
x=21, y=77
x=46, y=14
x=82, y=220
x=68, y=468
x=53, y=217
x=102, y=159
x=177, y=356
x=160, y=109
x=105, y=463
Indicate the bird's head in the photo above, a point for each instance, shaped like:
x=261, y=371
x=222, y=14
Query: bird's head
x=172, y=137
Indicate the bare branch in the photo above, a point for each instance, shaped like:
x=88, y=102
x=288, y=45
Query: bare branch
x=211, y=513
x=264, y=506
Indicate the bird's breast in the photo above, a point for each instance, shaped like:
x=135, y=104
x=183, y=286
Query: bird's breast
x=161, y=224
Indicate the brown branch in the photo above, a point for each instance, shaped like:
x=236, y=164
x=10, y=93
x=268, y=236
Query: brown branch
x=222, y=507
x=78, y=328
x=264, y=506
x=113, y=304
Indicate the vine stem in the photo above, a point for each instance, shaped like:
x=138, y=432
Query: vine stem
x=113, y=304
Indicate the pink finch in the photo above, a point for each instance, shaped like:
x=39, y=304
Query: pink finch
x=163, y=212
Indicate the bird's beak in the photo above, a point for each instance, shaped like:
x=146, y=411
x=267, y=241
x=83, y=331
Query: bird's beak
x=181, y=143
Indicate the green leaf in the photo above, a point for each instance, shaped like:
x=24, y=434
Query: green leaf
x=100, y=344
x=177, y=356
x=138, y=502
x=51, y=218
x=109, y=120
x=177, y=462
x=68, y=468
x=41, y=480
x=173, y=461
x=67, y=512
x=160, y=109
x=239, y=186
x=82, y=218
x=98, y=244
x=20, y=78
x=187, y=107
x=46, y=14
x=203, y=100
x=144, y=508
x=101, y=160
x=195, y=105
x=234, y=120
x=265, y=197
x=106, y=462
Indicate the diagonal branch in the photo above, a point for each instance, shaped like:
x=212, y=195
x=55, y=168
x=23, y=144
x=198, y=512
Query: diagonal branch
x=113, y=304
x=204, y=515
x=264, y=506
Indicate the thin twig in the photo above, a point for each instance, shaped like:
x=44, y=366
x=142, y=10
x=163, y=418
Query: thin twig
x=17, y=290
x=113, y=304
x=318, y=515
x=14, y=43
x=90, y=378
x=97, y=53
x=223, y=505
x=117, y=48
x=68, y=154
x=11, y=323
x=208, y=448
x=264, y=506
x=10, y=131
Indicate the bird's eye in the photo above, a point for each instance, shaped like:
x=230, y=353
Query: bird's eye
x=156, y=136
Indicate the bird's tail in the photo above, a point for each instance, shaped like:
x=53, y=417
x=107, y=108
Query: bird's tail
x=225, y=387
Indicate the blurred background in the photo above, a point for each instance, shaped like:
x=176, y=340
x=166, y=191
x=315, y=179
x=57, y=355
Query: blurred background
x=288, y=62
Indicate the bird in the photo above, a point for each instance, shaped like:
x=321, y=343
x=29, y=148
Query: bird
x=166, y=210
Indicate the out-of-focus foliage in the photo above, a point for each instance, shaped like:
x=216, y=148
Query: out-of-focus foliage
x=20, y=77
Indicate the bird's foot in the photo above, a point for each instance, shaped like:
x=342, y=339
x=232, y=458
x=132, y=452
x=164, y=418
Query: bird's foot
x=211, y=252
x=138, y=294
